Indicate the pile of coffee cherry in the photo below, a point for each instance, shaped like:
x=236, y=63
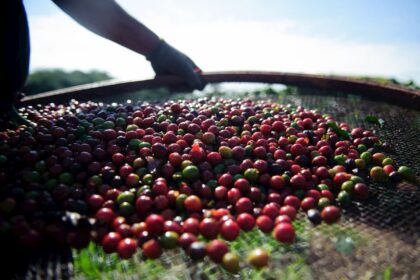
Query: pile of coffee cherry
x=140, y=177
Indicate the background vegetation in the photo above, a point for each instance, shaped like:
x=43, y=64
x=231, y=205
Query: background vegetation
x=51, y=79
x=389, y=81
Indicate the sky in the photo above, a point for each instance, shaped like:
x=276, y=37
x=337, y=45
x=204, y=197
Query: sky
x=380, y=38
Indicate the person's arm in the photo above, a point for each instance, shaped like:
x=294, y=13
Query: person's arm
x=107, y=19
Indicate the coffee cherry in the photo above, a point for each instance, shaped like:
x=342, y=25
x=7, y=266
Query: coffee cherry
x=127, y=248
x=151, y=249
x=258, y=258
x=284, y=233
x=209, y=228
x=197, y=250
x=155, y=224
x=216, y=249
x=246, y=221
x=331, y=214
x=229, y=230
x=265, y=223
x=230, y=262
x=110, y=242
x=193, y=203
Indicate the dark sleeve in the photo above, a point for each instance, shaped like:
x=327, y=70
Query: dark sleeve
x=15, y=56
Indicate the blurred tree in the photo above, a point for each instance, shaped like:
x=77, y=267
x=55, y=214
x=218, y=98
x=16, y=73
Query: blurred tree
x=51, y=79
x=389, y=81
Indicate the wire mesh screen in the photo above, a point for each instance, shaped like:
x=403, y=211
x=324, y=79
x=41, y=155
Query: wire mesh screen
x=376, y=239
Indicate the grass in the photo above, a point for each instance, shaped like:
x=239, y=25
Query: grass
x=286, y=261
x=387, y=273
x=93, y=263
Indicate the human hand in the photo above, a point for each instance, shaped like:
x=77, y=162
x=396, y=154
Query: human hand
x=167, y=60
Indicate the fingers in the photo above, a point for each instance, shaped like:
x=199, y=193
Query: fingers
x=168, y=60
x=193, y=77
x=192, y=74
x=196, y=82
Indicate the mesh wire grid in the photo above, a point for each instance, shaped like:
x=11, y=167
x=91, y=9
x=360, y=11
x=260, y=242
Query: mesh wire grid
x=376, y=239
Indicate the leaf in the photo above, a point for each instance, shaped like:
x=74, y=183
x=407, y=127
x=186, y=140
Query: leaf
x=340, y=132
x=374, y=120
x=387, y=273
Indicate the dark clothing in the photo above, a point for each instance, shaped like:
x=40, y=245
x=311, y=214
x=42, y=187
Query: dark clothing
x=16, y=51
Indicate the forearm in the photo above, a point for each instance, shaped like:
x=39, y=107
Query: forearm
x=107, y=19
